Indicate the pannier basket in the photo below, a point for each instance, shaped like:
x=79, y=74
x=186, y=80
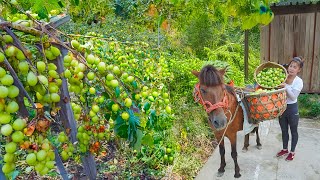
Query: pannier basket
x=266, y=105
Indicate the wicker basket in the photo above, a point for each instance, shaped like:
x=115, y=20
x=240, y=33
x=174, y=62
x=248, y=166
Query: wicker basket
x=266, y=105
x=268, y=65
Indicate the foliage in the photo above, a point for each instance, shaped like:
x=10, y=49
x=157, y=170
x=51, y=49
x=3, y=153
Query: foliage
x=114, y=28
x=250, y=13
x=224, y=54
x=232, y=53
x=41, y=7
x=309, y=105
x=180, y=37
x=199, y=33
x=90, y=11
x=129, y=75
x=134, y=164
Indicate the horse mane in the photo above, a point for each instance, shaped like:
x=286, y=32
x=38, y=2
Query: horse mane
x=210, y=76
x=231, y=90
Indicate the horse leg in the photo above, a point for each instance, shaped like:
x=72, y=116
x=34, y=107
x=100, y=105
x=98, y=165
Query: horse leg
x=223, y=161
x=259, y=145
x=246, y=143
x=234, y=155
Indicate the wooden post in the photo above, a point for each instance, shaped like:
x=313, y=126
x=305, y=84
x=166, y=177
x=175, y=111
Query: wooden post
x=66, y=114
x=159, y=31
x=59, y=164
x=2, y=176
x=89, y=166
x=22, y=92
x=246, y=54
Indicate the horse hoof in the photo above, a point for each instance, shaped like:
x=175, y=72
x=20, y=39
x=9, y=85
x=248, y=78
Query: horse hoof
x=237, y=175
x=244, y=150
x=220, y=174
x=259, y=147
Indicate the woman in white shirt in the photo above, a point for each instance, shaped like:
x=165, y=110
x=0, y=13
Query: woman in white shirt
x=290, y=117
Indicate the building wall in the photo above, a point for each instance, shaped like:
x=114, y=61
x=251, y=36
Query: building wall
x=292, y=35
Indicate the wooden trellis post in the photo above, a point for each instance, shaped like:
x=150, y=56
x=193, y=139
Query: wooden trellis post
x=22, y=109
x=67, y=117
x=66, y=113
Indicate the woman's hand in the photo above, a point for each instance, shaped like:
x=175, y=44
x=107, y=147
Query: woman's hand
x=282, y=85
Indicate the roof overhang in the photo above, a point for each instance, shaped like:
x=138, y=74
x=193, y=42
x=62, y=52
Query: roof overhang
x=295, y=7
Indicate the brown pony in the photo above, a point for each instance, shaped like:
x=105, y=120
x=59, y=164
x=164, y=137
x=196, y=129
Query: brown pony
x=225, y=115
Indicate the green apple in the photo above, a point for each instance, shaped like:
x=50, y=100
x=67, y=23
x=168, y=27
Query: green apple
x=130, y=79
x=95, y=108
x=6, y=129
x=115, y=107
x=125, y=116
x=128, y=102
x=75, y=44
x=114, y=83
x=92, y=90
x=19, y=124
x=168, y=109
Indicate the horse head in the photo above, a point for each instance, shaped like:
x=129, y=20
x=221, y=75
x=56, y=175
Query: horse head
x=211, y=93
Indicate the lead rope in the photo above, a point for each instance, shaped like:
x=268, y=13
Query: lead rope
x=234, y=115
x=230, y=121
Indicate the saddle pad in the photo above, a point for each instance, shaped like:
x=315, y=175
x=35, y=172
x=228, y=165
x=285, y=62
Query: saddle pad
x=247, y=127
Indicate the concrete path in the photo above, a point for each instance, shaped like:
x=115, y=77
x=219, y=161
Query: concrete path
x=262, y=164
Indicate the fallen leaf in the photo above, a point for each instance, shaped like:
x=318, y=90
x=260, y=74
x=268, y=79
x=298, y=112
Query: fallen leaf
x=68, y=130
x=30, y=129
x=38, y=105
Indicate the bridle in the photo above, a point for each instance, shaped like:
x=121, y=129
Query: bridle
x=209, y=107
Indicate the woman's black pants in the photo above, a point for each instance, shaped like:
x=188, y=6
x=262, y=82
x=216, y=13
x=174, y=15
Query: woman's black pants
x=290, y=118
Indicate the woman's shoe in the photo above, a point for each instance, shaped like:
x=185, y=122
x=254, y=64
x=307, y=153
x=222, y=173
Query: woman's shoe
x=290, y=156
x=282, y=152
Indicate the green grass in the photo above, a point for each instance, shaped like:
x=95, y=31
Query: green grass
x=194, y=136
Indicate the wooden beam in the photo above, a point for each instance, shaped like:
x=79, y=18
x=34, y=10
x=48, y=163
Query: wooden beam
x=22, y=91
x=246, y=54
x=58, y=21
x=269, y=43
x=313, y=44
x=59, y=164
x=295, y=9
x=89, y=166
x=88, y=162
x=19, y=45
x=67, y=116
